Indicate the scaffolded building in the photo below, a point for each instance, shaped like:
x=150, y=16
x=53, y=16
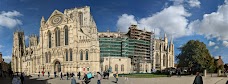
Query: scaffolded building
x=135, y=45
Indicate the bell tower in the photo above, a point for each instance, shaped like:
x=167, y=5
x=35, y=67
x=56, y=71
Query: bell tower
x=18, y=50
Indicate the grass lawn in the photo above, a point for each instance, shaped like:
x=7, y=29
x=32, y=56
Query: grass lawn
x=143, y=75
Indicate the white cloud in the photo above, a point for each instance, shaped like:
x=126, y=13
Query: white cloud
x=225, y=43
x=26, y=37
x=9, y=19
x=194, y=3
x=217, y=57
x=171, y=20
x=213, y=25
x=7, y=58
x=211, y=43
x=125, y=21
x=191, y=3
x=11, y=13
x=216, y=47
x=177, y=2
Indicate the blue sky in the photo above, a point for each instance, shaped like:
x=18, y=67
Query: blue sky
x=204, y=20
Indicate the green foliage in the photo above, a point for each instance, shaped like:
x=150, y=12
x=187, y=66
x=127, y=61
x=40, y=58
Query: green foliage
x=194, y=54
x=9, y=65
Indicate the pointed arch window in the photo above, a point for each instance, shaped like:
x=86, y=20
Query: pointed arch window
x=106, y=67
x=80, y=18
x=157, y=59
x=46, y=57
x=81, y=55
x=49, y=39
x=116, y=67
x=87, y=55
x=71, y=57
x=49, y=53
x=164, y=60
x=57, y=37
x=66, y=55
x=170, y=61
x=122, y=67
x=66, y=35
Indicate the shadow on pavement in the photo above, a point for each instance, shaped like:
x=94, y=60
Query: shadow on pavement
x=8, y=80
x=114, y=81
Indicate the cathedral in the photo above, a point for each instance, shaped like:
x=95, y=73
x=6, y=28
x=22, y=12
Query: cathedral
x=70, y=42
x=67, y=42
x=163, y=53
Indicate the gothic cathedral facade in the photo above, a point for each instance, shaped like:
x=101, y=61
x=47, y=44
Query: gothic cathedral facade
x=68, y=42
x=163, y=53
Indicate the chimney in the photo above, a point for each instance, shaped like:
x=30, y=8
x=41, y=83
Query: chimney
x=220, y=57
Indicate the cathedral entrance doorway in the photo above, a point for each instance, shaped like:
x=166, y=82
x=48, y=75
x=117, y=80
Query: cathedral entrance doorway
x=57, y=66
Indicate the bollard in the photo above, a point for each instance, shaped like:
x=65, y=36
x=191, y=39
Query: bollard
x=205, y=73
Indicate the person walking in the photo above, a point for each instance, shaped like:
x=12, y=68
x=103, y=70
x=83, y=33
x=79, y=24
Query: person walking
x=116, y=76
x=39, y=75
x=73, y=81
x=48, y=74
x=72, y=74
x=79, y=75
x=67, y=75
x=198, y=79
x=170, y=73
x=43, y=73
x=55, y=74
x=99, y=78
x=22, y=78
x=61, y=75
x=86, y=79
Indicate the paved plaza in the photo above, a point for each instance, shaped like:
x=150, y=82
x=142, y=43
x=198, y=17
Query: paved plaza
x=162, y=80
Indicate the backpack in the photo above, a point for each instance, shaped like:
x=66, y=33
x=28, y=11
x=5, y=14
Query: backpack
x=114, y=75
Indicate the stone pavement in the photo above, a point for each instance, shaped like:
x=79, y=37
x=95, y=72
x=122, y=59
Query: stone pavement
x=162, y=80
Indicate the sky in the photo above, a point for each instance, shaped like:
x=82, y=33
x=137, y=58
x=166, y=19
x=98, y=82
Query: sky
x=183, y=20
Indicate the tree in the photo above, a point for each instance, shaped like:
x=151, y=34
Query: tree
x=195, y=55
x=9, y=65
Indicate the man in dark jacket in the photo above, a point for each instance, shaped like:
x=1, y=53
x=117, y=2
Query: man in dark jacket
x=79, y=74
x=67, y=75
x=48, y=74
x=22, y=78
x=86, y=79
x=198, y=79
x=61, y=75
x=55, y=74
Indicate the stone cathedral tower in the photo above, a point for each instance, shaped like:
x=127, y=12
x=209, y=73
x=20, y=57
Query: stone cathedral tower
x=18, y=50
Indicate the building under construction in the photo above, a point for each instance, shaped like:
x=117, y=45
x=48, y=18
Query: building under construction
x=135, y=44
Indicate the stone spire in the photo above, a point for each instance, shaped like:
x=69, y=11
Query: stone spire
x=171, y=42
x=165, y=35
x=108, y=30
x=42, y=22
